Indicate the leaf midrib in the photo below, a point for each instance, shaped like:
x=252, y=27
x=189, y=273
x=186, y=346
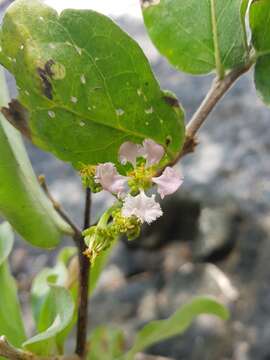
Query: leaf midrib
x=219, y=65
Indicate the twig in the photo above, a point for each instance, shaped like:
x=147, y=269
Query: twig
x=57, y=206
x=84, y=264
x=217, y=91
x=10, y=352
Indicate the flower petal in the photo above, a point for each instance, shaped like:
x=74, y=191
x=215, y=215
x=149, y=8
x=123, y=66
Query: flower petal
x=129, y=152
x=153, y=152
x=169, y=182
x=110, y=180
x=145, y=208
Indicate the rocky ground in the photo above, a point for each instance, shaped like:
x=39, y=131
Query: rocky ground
x=213, y=240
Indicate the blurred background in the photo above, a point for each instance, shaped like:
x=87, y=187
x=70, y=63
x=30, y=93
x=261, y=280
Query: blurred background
x=213, y=238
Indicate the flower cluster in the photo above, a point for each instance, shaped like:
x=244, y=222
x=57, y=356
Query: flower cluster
x=134, y=207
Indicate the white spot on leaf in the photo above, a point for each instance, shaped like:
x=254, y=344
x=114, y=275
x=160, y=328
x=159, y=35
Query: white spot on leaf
x=22, y=47
x=41, y=18
x=52, y=46
x=148, y=3
x=119, y=112
x=149, y=111
x=139, y=92
x=83, y=79
x=79, y=50
x=26, y=92
x=74, y=99
x=82, y=124
x=51, y=114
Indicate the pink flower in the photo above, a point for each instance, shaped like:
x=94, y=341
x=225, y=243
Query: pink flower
x=153, y=152
x=169, y=182
x=145, y=208
x=129, y=152
x=108, y=177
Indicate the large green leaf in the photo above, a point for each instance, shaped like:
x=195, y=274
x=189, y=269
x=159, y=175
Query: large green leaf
x=197, y=36
x=11, y=324
x=60, y=308
x=22, y=202
x=87, y=85
x=160, y=330
x=260, y=26
x=106, y=343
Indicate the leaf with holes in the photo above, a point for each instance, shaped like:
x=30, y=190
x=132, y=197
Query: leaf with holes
x=259, y=23
x=86, y=85
x=197, y=36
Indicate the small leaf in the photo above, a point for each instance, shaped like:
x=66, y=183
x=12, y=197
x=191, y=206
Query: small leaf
x=43, y=304
x=106, y=343
x=197, y=36
x=11, y=323
x=41, y=289
x=86, y=85
x=98, y=266
x=62, y=307
x=160, y=330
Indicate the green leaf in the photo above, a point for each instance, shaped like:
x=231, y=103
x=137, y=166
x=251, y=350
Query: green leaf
x=262, y=78
x=98, y=266
x=87, y=85
x=41, y=289
x=106, y=343
x=259, y=23
x=160, y=330
x=61, y=306
x=197, y=36
x=11, y=324
x=43, y=304
x=22, y=202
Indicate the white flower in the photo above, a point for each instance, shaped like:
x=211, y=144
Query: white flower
x=169, y=182
x=153, y=152
x=108, y=177
x=129, y=152
x=145, y=208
